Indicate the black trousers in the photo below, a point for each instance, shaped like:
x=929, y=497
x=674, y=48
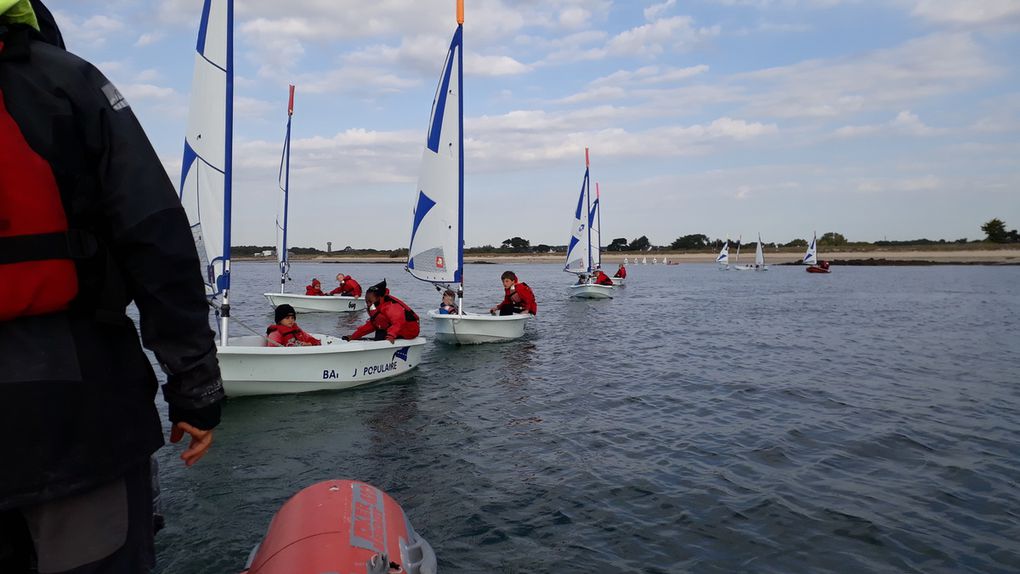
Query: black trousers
x=107, y=530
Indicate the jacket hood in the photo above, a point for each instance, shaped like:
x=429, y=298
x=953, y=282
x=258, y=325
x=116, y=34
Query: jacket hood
x=47, y=25
x=32, y=14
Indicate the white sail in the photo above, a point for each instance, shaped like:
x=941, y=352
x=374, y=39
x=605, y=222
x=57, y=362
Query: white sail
x=594, y=223
x=811, y=257
x=436, y=250
x=206, y=170
x=281, y=211
x=759, y=255
x=724, y=254
x=579, y=249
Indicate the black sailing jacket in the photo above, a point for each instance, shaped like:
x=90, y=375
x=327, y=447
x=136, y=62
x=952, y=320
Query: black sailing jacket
x=76, y=390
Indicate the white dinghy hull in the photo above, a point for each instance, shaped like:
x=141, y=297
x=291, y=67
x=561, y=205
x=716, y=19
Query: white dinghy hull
x=249, y=367
x=590, y=291
x=471, y=329
x=317, y=303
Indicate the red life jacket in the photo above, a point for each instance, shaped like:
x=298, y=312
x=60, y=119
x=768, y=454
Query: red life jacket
x=519, y=297
x=603, y=279
x=403, y=324
x=286, y=336
x=349, y=288
x=37, y=247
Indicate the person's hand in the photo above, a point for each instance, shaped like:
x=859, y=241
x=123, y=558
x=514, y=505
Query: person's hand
x=345, y=338
x=391, y=339
x=492, y=311
x=201, y=440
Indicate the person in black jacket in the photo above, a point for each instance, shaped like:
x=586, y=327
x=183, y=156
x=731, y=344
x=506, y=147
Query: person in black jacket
x=76, y=389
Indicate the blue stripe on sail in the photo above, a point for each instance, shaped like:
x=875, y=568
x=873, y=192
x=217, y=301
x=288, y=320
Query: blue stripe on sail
x=189, y=160
x=573, y=241
x=424, y=205
x=580, y=200
x=203, y=28
x=591, y=216
x=435, y=131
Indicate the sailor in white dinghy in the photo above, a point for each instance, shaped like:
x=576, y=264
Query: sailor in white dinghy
x=388, y=317
x=517, y=297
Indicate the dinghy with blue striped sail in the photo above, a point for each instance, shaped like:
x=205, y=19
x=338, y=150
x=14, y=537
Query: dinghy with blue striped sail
x=582, y=260
x=723, y=259
x=301, y=303
x=811, y=257
x=436, y=250
x=247, y=364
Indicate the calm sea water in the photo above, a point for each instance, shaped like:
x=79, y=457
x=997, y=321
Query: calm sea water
x=701, y=421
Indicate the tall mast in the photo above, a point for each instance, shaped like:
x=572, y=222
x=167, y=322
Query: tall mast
x=282, y=256
x=598, y=200
x=228, y=174
x=460, y=126
x=587, y=194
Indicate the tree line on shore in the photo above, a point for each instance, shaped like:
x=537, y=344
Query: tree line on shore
x=995, y=231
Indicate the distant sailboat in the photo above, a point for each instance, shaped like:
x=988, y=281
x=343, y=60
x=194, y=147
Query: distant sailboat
x=248, y=366
x=580, y=256
x=759, y=257
x=301, y=303
x=723, y=259
x=436, y=252
x=736, y=262
x=811, y=258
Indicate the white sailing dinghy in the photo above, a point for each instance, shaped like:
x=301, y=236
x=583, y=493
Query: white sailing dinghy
x=759, y=257
x=301, y=303
x=736, y=262
x=723, y=259
x=436, y=252
x=580, y=255
x=248, y=365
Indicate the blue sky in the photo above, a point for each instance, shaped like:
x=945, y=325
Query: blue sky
x=896, y=119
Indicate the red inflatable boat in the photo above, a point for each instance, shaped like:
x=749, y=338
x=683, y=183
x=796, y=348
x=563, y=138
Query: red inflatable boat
x=822, y=267
x=341, y=526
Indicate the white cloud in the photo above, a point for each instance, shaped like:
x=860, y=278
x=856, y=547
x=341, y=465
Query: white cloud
x=654, y=11
x=651, y=75
x=979, y=12
x=251, y=107
x=91, y=32
x=144, y=91
x=148, y=38
x=921, y=68
x=785, y=4
x=574, y=17
x=905, y=123
x=677, y=33
x=893, y=185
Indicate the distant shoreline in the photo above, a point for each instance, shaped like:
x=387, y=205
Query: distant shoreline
x=993, y=255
